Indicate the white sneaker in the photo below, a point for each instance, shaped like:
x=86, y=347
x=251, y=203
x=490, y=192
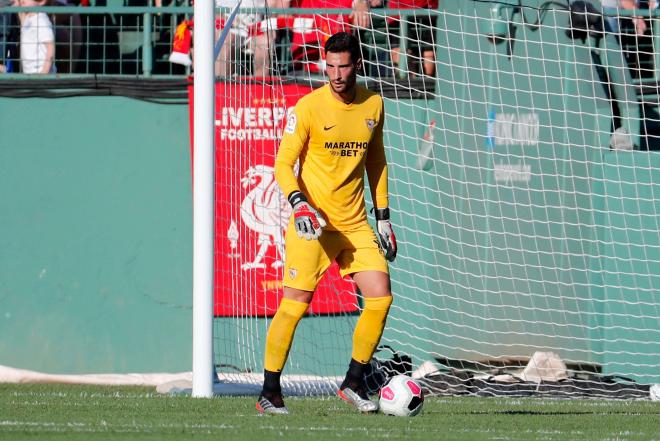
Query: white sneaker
x=361, y=403
x=264, y=405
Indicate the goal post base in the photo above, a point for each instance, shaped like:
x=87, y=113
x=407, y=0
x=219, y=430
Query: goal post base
x=250, y=385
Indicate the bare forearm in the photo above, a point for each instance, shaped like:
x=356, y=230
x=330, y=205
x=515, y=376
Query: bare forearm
x=279, y=4
x=361, y=5
x=627, y=4
x=50, y=55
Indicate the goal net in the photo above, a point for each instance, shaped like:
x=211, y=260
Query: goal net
x=524, y=197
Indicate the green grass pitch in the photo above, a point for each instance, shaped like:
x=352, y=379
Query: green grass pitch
x=65, y=412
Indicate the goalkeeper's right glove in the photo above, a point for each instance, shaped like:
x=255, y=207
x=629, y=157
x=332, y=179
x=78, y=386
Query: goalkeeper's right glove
x=308, y=222
x=387, y=238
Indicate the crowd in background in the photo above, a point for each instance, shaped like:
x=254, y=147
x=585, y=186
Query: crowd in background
x=303, y=35
x=634, y=33
x=36, y=42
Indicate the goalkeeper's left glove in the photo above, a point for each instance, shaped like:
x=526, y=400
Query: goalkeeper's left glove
x=387, y=239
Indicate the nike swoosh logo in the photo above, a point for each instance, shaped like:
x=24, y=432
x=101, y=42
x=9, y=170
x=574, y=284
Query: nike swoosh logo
x=328, y=128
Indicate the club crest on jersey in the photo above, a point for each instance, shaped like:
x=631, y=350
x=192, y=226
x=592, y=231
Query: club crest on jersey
x=293, y=273
x=371, y=123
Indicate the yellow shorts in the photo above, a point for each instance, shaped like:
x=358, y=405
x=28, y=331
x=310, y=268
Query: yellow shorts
x=354, y=251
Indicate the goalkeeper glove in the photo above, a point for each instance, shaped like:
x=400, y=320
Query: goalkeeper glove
x=387, y=238
x=307, y=220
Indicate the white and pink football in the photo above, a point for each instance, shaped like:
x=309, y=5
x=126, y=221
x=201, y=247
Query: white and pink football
x=401, y=396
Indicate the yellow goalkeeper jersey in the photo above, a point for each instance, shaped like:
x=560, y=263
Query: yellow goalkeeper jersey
x=335, y=143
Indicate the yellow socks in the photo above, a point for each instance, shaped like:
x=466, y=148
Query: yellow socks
x=280, y=333
x=368, y=330
x=369, y=327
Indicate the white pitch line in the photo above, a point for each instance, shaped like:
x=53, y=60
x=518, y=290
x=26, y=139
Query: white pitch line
x=105, y=426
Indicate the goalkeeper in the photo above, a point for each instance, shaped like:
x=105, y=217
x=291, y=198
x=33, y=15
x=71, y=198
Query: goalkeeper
x=336, y=133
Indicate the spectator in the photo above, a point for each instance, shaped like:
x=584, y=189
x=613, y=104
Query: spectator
x=251, y=35
x=310, y=32
x=68, y=37
x=421, y=35
x=37, y=40
x=611, y=18
x=5, y=29
x=633, y=34
x=638, y=22
x=636, y=39
x=241, y=40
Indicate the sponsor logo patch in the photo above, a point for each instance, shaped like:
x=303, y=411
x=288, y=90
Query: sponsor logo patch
x=291, y=123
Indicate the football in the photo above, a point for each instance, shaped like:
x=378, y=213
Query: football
x=401, y=396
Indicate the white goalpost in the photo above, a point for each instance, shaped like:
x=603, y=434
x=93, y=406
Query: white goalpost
x=523, y=187
x=203, y=200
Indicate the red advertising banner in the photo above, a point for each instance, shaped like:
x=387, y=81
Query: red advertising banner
x=251, y=213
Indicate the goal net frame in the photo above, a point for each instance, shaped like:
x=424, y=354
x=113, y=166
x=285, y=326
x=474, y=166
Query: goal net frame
x=501, y=183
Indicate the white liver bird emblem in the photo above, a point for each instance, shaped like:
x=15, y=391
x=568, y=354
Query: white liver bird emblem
x=265, y=211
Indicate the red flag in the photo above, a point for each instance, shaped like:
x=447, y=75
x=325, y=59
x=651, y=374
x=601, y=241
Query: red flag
x=181, y=44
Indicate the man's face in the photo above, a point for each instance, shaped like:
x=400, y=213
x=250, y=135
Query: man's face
x=341, y=71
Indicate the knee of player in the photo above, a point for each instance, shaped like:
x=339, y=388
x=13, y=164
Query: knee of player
x=298, y=295
x=380, y=288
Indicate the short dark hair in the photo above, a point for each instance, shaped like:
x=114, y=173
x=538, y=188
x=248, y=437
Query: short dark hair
x=344, y=42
